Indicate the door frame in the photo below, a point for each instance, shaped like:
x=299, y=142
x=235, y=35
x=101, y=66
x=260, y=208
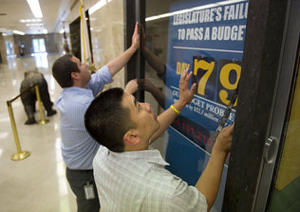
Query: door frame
x=263, y=97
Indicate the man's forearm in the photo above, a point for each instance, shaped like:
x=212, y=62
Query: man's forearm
x=159, y=96
x=186, y=96
x=167, y=117
x=154, y=61
x=209, y=182
x=118, y=63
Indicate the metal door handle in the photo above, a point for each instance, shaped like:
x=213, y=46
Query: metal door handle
x=270, y=150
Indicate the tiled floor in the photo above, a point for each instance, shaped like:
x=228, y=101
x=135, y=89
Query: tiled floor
x=37, y=183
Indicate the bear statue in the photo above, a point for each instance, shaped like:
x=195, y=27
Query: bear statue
x=29, y=98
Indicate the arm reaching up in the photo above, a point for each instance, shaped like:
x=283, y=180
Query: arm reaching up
x=186, y=96
x=118, y=63
x=209, y=182
x=132, y=86
x=159, y=96
x=151, y=58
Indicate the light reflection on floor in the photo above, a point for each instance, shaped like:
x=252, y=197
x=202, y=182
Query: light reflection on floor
x=41, y=60
x=38, y=182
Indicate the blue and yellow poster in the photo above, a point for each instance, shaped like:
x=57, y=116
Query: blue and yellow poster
x=207, y=38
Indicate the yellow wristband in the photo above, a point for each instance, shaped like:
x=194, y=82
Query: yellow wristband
x=176, y=111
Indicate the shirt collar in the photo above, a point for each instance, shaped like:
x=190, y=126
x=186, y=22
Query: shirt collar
x=151, y=156
x=76, y=89
x=70, y=92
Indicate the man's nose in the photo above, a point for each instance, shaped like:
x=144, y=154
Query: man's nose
x=147, y=106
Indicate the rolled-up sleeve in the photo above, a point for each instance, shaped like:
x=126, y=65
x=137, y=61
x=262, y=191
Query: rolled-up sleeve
x=99, y=80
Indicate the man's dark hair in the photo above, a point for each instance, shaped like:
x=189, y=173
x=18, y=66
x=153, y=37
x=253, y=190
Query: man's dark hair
x=62, y=69
x=107, y=120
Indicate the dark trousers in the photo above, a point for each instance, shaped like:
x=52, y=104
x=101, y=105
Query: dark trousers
x=77, y=180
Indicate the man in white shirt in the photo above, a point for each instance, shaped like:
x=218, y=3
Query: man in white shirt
x=129, y=176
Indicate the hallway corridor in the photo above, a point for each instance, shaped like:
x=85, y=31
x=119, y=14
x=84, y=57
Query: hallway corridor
x=37, y=183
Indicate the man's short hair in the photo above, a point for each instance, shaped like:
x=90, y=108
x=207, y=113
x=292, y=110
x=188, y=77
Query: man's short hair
x=62, y=69
x=107, y=120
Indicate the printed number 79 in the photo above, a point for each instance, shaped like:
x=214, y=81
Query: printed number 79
x=224, y=77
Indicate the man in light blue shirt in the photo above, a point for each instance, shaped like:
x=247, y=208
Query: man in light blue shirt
x=78, y=148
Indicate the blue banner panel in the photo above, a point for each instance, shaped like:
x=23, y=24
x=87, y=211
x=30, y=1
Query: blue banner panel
x=190, y=162
x=207, y=38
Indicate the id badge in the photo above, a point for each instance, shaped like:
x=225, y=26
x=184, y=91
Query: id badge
x=89, y=191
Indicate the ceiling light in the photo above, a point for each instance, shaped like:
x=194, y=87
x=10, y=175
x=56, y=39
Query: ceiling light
x=35, y=8
x=35, y=24
x=18, y=32
x=30, y=20
x=97, y=6
x=165, y=15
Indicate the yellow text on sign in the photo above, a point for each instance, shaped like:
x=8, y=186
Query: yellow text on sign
x=208, y=67
x=180, y=67
x=224, y=80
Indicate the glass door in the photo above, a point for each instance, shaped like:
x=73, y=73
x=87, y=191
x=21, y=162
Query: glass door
x=285, y=191
x=279, y=185
x=38, y=45
x=207, y=38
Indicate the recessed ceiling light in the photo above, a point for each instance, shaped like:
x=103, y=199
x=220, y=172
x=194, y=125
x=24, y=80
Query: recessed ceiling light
x=30, y=20
x=18, y=32
x=35, y=8
x=34, y=24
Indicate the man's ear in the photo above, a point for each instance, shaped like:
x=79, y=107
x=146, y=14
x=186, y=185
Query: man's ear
x=74, y=75
x=131, y=138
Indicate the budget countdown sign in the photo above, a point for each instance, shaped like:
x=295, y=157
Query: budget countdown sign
x=207, y=38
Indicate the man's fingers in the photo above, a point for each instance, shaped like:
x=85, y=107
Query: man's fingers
x=228, y=131
x=193, y=88
x=136, y=27
x=189, y=76
x=185, y=76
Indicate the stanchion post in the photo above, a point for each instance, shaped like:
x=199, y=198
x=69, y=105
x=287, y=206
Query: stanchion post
x=20, y=155
x=38, y=97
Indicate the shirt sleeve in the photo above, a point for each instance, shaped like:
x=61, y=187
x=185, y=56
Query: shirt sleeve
x=187, y=198
x=99, y=80
x=170, y=193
